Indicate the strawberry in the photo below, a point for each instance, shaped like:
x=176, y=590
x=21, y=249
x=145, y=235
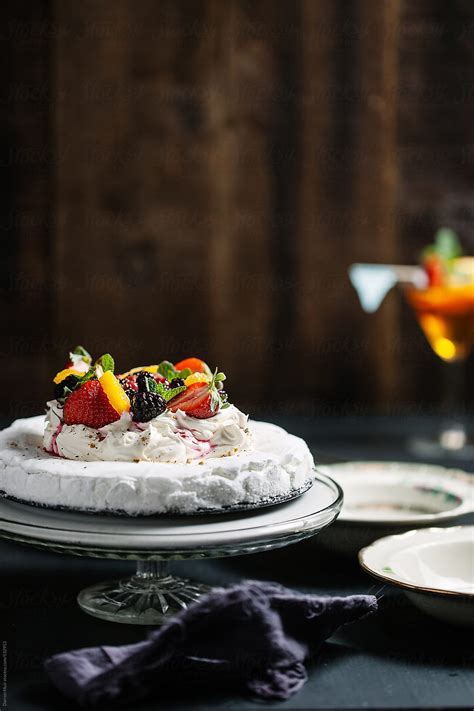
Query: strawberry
x=200, y=399
x=89, y=405
x=196, y=401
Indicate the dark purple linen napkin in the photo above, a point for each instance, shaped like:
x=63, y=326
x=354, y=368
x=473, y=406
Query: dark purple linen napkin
x=252, y=638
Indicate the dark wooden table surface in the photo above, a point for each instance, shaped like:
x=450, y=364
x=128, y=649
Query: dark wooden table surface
x=398, y=658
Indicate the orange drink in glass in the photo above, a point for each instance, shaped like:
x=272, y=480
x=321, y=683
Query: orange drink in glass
x=446, y=317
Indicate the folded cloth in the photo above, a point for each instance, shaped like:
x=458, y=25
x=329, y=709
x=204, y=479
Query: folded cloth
x=253, y=637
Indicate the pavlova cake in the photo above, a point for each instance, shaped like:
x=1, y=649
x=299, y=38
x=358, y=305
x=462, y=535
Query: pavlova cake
x=155, y=439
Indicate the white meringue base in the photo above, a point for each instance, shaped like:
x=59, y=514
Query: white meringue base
x=276, y=465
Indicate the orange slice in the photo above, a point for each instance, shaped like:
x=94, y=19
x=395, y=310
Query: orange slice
x=114, y=391
x=196, y=378
x=59, y=377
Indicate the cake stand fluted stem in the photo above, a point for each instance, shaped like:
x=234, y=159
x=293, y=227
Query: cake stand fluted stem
x=150, y=597
x=148, y=569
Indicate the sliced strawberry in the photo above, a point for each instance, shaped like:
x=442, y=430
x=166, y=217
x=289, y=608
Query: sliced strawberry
x=89, y=405
x=197, y=400
x=195, y=364
x=204, y=409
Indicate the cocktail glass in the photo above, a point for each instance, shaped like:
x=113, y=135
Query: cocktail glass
x=446, y=317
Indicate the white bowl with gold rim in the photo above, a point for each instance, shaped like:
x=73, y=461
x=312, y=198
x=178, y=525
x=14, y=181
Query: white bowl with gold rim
x=433, y=566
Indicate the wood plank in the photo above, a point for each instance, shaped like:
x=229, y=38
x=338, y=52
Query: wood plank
x=346, y=210
x=247, y=103
x=376, y=180
x=26, y=271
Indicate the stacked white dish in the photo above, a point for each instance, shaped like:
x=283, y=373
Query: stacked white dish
x=388, y=518
x=383, y=498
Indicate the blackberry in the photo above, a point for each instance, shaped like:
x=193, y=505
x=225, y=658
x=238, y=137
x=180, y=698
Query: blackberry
x=176, y=383
x=142, y=381
x=146, y=406
x=69, y=382
x=223, y=396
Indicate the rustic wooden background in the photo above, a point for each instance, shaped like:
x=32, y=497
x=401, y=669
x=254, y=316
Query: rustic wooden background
x=195, y=176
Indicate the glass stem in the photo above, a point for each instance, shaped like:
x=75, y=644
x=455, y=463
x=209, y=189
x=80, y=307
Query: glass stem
x=453, y=395
x=453, y=435
x=149, y=569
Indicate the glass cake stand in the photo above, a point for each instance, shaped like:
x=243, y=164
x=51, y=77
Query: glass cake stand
x=152, y=594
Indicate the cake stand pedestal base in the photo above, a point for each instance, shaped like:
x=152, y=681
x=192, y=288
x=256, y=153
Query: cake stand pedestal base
x=150, y=597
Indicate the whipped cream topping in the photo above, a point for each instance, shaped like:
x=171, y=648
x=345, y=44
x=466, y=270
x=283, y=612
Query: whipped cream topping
x=275, y=464
x=172, y=437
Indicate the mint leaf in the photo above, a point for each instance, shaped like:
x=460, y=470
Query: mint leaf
x=80, y=354
x=217, y=377
x=166, y=394
x=90, y=375
x=66, y=391
x=152, y=386
x=159, y=388
x=183, y=373
x=215, y=400
x=167, y=370
x=172, y=392
x=106, y=362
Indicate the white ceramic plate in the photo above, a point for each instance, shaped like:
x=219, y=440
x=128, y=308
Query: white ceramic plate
x=382, y=498
x=434, y=567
